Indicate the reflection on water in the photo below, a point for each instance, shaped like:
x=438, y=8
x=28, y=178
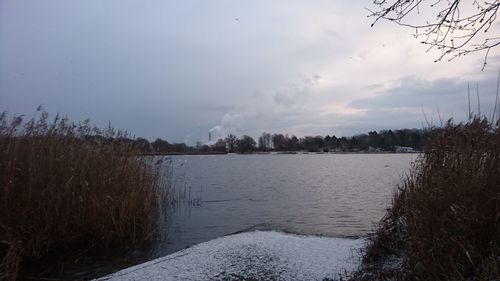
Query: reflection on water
x=320, y=194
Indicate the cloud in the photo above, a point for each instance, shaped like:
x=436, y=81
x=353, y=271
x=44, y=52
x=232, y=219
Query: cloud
x=173, y=69
x=216, y=108
x=411, y=90
x=295, y=93
x=411, y=100
x=269, y=111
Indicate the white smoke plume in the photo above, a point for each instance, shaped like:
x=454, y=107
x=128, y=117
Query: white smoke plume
x=265, y=112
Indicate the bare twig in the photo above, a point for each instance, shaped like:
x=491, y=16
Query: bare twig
x=452, y=31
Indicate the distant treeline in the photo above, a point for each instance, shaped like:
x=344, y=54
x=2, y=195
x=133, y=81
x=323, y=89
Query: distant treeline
x=404, y=140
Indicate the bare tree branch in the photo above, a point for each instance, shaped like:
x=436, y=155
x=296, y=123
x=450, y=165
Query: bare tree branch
x=460, y=27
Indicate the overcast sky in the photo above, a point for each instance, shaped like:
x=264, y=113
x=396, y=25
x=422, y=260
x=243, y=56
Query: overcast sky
x=179, y=69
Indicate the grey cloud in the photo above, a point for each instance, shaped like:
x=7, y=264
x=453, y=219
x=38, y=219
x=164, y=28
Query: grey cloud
x=295, y=93
x=217, y=108
x=412, y=98
x=284, y=110
x=290, y=96
x=174, y=69
x=412, y=91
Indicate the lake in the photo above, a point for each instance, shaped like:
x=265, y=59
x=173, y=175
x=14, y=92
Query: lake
x=338, y=195
x=334, y=195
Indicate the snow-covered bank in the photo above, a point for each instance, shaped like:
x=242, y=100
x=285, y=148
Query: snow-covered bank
x=262, y=255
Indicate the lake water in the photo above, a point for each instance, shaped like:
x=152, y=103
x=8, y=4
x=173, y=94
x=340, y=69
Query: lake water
x=334, y=195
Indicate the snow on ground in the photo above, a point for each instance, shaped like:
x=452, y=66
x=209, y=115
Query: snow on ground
x=261, y=255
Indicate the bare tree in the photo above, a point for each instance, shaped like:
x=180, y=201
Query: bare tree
x=245, y=144
x=231, y=143
x=265, y=142
x=459, y=26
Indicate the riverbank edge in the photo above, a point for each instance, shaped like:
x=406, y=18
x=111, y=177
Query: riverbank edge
x=277, y=153
x=65, y=194
x=253, y=255
x=442, y=224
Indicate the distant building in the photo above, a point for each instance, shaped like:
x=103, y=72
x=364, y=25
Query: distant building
x=404, y=149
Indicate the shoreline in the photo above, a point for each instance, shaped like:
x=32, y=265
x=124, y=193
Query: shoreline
x=277, y=153
x=255, y=255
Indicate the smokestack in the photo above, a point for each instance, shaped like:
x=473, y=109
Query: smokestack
x=209, y=136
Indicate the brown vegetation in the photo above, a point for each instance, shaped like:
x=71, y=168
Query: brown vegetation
x=68, y=187
x=445, y=220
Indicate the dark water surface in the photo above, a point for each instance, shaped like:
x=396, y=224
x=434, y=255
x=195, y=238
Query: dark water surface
x=319, y=194
x=334, y=195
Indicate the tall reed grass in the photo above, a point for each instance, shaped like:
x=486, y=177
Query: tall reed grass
x=445, y=220
x=67, y=187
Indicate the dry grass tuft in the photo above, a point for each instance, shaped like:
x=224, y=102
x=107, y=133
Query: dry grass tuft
x=445, y=219
x=66, y=187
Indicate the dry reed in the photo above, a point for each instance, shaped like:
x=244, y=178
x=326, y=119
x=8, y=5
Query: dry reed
x=445, y=220
x=66, y=187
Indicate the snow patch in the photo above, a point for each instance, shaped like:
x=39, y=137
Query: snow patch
x=261, y=255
